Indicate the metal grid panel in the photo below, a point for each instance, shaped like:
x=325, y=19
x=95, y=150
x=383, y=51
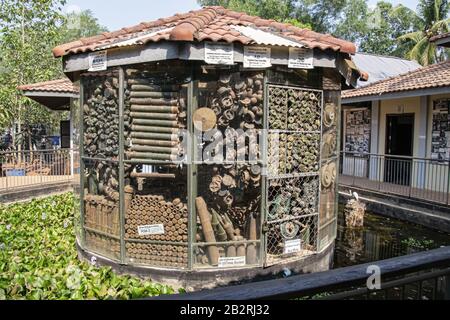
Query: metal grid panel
x=294, y=156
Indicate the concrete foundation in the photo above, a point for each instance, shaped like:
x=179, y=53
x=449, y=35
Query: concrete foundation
x=207, y=279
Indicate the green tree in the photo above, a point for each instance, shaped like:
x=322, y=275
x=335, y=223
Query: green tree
x=80, y=25
x=398, y=20
x=433, y=16
x=279, y=10
x=321, y=15
x=28, y=30
x=353, y=21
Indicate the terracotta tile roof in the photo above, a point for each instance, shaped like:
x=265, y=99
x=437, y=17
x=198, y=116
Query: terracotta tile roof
x=433, y=76
x=61, y=86
x=207, y=24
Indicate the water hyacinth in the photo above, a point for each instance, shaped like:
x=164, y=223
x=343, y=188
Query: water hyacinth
x=38, y=258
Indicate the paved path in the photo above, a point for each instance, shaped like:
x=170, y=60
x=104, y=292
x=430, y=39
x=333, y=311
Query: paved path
x=391, y=188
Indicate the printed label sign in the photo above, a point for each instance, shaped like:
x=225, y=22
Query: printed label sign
x=232, y=262
x=150, y=230
x=257, y=57
x=292, y=246
x=98, y=61
x=219, y=53
x=301, y=58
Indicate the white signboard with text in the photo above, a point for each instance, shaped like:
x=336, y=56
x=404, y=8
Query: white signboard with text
x=257, y=57
x=98, y=61
x=151, y=230
x=232, y=262
x=301, y=58
x=219, y=53
x=292, y=246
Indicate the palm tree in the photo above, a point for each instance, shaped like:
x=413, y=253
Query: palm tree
x=433, y=17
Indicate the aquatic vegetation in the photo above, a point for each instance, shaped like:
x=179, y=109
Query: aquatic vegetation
x=38, y=258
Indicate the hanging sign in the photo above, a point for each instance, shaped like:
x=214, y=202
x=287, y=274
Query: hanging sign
x=232, y=262
x=98, y=61
x=257, y=57
x=292, y=246
x=151, y=230
x=219, y=53
x=301, y=58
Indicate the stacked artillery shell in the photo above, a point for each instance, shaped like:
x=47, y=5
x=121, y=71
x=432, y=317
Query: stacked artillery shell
x=103, y=244
x=293, y=197
x=232, y=191
x=238, y=101
x=102, y=214
x=328, y=170
x=152, y=210
x=298, y=112
x=302, y=153
x=304, y=110
x=295, y=118
x=278, y=103
x=103, y=179
x=160, y=255
x=154, y=117
x=101, y=117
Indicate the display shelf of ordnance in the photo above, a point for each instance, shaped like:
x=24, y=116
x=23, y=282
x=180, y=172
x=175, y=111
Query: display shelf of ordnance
x=206, y=167
x=197, y=169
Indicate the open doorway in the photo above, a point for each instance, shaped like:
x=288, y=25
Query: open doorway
x=399, y=144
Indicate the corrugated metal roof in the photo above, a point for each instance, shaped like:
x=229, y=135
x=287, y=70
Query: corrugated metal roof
x=266, y=38
x=382, y=67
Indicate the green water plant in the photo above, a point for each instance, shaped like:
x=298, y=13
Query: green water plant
x=38, y=258
x=418, y=243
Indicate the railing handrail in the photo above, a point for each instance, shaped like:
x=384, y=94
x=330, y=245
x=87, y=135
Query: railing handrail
x=365, y=154
x=34, y=151
x=309, y=284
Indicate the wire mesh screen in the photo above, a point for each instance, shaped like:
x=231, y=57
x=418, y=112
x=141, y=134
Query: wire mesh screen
x=293, y=192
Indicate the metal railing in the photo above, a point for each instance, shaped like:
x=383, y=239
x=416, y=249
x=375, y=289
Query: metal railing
x=22, y=169
x=419, y=276
x=413, y=177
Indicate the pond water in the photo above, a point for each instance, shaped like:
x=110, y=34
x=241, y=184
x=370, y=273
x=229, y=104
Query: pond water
x=382, y=238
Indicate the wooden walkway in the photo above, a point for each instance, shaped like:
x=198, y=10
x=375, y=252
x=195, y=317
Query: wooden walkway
x=395, y=189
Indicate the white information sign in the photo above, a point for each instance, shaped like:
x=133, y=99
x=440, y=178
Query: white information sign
x=232, y=262
x=219, y=53
x=98, y=61
x=292, y=246
x=150, y=230
x=257, y=57
x=301, y=58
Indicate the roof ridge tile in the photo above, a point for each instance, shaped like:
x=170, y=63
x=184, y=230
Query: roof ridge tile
x=188, y=25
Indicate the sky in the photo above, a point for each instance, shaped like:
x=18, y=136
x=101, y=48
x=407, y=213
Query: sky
x=115, y=14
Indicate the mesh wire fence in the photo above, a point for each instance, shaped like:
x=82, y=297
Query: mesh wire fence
x=294, y=144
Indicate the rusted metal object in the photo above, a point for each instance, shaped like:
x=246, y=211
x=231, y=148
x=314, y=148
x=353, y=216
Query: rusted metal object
x=156, y=109
x=204, y=119
x=208, y=232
